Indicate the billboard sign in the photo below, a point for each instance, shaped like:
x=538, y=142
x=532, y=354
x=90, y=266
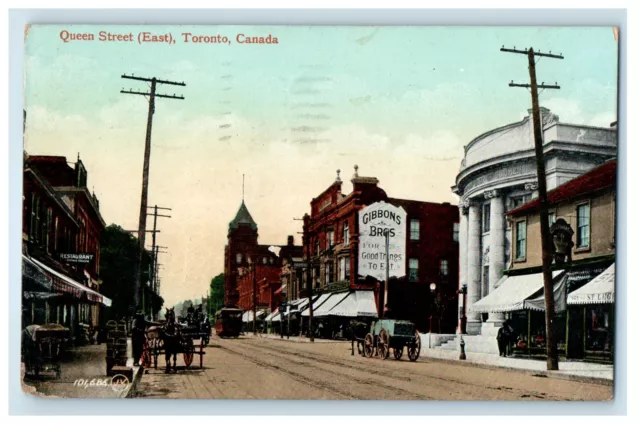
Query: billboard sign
x=376, y=221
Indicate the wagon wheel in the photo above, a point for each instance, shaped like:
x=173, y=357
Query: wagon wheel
x=368, y=345
x=145, y=359
x=383, y=344
x=187, y=354
x=413, y=349
x=157, y=348
x=397, y=352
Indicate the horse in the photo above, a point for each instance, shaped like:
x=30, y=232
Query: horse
x=172, y=339
x=359, y=330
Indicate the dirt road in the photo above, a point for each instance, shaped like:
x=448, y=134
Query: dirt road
x=261, y=368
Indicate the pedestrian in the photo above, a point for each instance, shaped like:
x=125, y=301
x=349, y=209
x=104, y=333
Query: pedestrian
x=138, y=334
x=504, y=337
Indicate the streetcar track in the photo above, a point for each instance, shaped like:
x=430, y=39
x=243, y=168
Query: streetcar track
x=377, y=383
x=323, y=358
x=296, y=376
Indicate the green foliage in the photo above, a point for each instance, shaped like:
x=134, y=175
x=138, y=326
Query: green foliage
x=118, y=250
x=216, y=294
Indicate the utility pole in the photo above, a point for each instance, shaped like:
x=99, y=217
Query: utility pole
x=386, y=274
x=145, y=169
x=552, y=350
x=306, y=240
x=153, y=237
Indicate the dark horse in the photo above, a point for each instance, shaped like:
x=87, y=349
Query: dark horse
x=171, y=339
x=359, y=330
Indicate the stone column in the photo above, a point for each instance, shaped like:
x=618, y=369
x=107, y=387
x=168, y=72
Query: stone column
x=462, y=245
x=496, y=239
x=474, y=267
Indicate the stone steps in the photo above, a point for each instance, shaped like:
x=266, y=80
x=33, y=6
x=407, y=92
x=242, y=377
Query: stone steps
x=477, y=344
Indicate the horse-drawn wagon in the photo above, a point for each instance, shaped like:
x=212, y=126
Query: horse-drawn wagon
x=171, y=339
x=387, y=334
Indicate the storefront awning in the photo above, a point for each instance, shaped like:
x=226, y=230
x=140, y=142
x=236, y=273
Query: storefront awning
x=360, y=303
x=35, y=276
x=66, y=284
x=599, y=290
x=327, y=306
x=316, y=304
x=512, y=292
x=271, y=315
x=537, y=303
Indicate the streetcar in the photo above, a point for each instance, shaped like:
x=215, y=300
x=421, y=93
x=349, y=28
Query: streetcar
x=229, y=322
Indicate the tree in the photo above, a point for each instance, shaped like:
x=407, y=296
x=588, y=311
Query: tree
x=118, y=250
x=216, y=294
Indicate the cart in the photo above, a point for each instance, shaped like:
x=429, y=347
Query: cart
x=154, y=346
x=387, y=334
x=42, y=346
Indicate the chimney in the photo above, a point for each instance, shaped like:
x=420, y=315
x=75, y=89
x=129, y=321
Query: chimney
x=289, y=240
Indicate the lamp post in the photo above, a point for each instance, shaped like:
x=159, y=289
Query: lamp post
x=463, y=312
x=432, y=287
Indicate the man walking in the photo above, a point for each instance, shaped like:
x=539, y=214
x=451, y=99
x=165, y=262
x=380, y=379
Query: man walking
x=504, y=337
x=138, y=336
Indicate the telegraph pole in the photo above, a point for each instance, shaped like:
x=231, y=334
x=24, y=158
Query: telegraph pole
x=253, y=264
x=145, y=169
x=153, y=236
x=552, y=351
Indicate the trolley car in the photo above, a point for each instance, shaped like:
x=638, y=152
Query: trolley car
x=228, y=322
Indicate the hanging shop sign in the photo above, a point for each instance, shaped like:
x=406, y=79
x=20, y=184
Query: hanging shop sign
x=77, y=258
x=382, y=223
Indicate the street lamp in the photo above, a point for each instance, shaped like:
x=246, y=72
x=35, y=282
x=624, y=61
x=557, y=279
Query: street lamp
x=463, y=312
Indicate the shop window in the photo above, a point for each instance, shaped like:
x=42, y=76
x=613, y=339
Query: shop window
x=414, y=229
x=486, y=217
x=521, y=240
x=584, y=226
x=413, y=270
x=456, y=232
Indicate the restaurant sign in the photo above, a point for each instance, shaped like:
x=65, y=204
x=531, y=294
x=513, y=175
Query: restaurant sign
x=380, y=222
x=77, y=258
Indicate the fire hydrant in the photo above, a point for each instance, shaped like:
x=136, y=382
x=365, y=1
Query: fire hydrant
x=463, y=356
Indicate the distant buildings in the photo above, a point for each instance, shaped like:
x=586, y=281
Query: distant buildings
x=498, y=174
x=61, y=244
x=245, y=259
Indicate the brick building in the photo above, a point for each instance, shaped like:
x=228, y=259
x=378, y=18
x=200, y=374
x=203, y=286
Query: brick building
x=331, y=241
x=61, y=224
x=242, y=252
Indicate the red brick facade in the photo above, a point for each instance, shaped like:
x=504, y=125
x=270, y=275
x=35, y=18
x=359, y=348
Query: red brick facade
x=334, y=216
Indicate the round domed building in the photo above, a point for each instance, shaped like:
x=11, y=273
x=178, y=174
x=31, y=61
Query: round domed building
x=498, y=173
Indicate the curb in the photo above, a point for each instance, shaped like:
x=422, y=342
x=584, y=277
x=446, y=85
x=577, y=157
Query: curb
x=560, y=375
x=137, y=376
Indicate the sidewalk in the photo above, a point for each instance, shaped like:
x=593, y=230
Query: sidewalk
x=81, y=366
x=295, y=339
x=572, y=370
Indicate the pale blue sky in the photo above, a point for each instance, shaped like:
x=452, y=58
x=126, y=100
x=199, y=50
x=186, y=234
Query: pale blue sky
x=401, y=102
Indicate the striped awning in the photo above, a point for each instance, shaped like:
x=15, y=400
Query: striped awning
x=600, y=290
x=65, y=284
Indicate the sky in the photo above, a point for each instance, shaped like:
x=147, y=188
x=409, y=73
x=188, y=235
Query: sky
x=400, y=102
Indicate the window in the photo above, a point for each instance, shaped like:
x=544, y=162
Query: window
x=347, y=268
x=330, y=239
x=444, y=268
x=33, y=227
x=271, y=260
x=413, y=270
x=239, y=258
x=521, y=239
x=414, y=229
x=484, y=290
x=48, y=229
x=456, y=232
x=343, y=271
x=552, y=218
x=584, y=226
x=345, y=233
x=328, y=272
x=520, y=200
x=56, y=235
x=264, y=260
x=486, y=217
x=317, y=247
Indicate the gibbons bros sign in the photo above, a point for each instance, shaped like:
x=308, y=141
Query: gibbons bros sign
x=376, y=221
